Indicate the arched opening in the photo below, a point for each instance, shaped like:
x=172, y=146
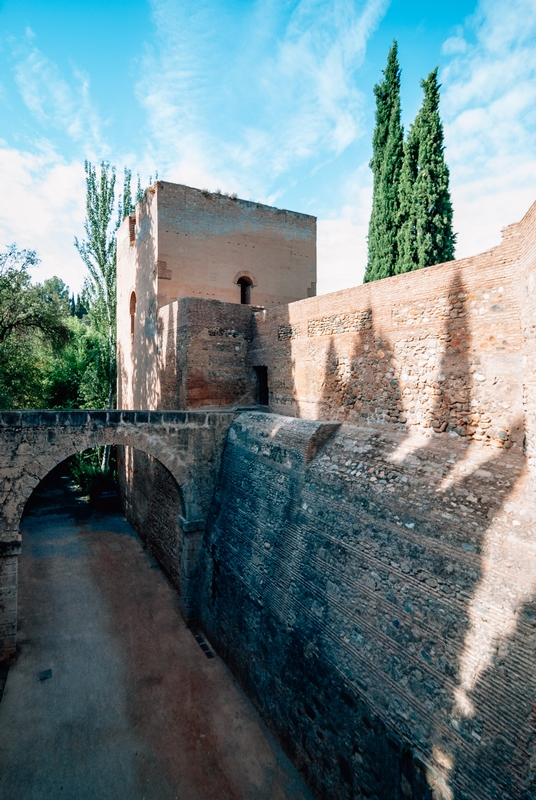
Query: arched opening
x=245, y=284
x=132, y=312
x=135, y=486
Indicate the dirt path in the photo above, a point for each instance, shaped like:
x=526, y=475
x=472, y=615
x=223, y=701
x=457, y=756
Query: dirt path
x=111, y=695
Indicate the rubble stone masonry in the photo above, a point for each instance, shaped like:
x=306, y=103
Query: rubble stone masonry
x=368, y=568
x=439, y=350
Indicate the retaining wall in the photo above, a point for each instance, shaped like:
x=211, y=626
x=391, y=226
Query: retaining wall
x=375, y=598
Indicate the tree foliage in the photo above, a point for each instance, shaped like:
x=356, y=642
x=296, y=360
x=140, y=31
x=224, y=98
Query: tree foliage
x=57, y=351
x=411, y=220
x=49, y=357
x=425, y=235
x=33, y=328
x=386, y=165
x=99, y=253
x=26, y=308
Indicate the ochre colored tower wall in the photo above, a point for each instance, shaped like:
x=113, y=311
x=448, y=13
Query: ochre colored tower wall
x=185, y=243
x=204, y=355
x=207, y=241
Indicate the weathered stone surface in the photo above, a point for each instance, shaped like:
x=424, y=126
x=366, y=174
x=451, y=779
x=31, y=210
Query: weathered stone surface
x=188, y=447
x=374, y=587
x=377, y=602
x=371, y=583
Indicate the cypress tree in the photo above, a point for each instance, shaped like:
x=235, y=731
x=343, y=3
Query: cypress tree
x=425, y=235
x=407, y=217
x=386, y=165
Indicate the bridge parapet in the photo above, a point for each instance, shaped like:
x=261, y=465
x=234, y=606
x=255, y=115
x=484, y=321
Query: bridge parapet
x=82, y=418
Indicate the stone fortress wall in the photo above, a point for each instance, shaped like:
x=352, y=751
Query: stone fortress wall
x=368, y=568
x=183, y=242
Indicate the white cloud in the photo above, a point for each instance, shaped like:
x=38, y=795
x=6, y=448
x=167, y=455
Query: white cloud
x=42, y=208
x=239, y=101
x=489, y=105
x=342, y=240
x=56, y=102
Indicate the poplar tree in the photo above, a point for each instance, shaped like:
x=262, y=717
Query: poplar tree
x=386, y=165
x=99, y=254
x=425, y=234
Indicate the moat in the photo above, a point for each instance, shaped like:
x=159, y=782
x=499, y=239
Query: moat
x=111, y=695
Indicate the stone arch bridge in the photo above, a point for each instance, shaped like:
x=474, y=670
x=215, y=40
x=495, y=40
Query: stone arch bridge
x=188, y=443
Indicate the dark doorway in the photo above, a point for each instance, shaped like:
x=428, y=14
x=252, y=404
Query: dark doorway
x=245, y=290
x=263, y=395
x=132, y=312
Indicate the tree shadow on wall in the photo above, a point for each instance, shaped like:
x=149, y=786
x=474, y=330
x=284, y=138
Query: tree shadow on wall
x=476, y=630
x=169, y=371
x=138, y=363
x=362, y=384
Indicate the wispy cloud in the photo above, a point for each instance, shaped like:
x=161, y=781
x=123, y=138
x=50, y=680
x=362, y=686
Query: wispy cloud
x=58, y=102
x=43, y=209
x=489, y=104
x=242, y=97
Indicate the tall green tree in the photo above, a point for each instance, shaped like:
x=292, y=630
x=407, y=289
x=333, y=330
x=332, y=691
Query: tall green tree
x=386, y=165
x=407, y=215
x=99, y=253
x=33, y=329
x=425, y=234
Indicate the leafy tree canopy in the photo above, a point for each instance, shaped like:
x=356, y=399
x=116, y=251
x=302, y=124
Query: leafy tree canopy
x=26, y=308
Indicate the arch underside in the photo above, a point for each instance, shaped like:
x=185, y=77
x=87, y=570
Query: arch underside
x=35, y=470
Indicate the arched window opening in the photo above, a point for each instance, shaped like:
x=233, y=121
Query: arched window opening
x=245, y=290
x=132, y=312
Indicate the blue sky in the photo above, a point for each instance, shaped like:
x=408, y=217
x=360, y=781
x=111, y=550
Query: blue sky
x=271, y=99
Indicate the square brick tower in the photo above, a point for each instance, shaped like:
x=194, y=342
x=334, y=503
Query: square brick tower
x=187, y=243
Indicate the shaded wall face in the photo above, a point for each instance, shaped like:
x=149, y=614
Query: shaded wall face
x=377, y=602
x=436, y=350
x=206, y=241
x=204, y=355
x=137, y=345
x=527, y=289
x=152, y=505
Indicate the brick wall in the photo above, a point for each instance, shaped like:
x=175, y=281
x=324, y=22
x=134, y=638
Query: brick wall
x=206, y=241
x=376, y=600
x=438, y=350
x=204, y=355
x=153, y=505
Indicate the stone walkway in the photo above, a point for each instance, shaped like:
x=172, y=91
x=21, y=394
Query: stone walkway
x=111, y=695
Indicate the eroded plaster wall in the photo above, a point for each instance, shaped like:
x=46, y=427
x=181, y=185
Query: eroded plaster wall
x=204, y=359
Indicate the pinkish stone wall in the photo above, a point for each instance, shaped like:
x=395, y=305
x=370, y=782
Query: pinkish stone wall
x=439, y=350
